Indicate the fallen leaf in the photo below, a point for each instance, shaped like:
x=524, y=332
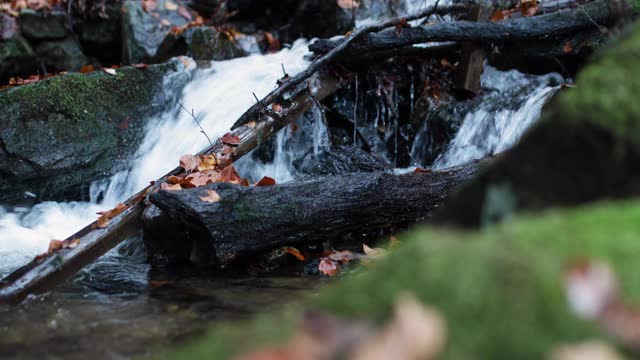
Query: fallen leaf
x=124, y=124
x=567, y=48
x=349, y=4
x=528, y=7
x=103, y=221
x=86, y=69
x=373, y=252
x=230, y=139
x=70, y=243
x=203, y=178
x=265, y=181
x=158, y=283
x=170, y=187
x=229, y=174
x=446, y=64
x=276, y=107
x=207, y=162
x=421, y=170
x=415, y=332
x=342, y=256
x=273, y=44
x=293, y=251
x=328, y=267
x=189, y=162
x=501, y=15
x=140, y=66
x=109, y=71
x=211, y=197
x=165, y=22
x=250, y=124
x=171, y=6
x=54, y=245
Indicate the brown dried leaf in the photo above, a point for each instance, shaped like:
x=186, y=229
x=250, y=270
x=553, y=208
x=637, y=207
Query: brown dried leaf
x=171, y=6
x=293, y=251
x=342, y=256
x=528, y=7
x=103, y=221
x=211, y=197
x=124, y=124
x=373, y=252
x=173, y=187
x=567, y=48
x=86, y=69
x=54, y=245
x=230, y=139
x=421, y=170
x=189, y=162
x=265, y=181
x=203, y=178
x=208, y=162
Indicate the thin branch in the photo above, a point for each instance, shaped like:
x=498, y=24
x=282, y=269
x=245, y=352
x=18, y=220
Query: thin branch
x=193, y=115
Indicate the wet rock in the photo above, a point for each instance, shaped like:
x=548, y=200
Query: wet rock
x=199, y=43
x=8, y=27
x=320, y=18
x=59, y=134
x=339, y=160
x=61, y=55
x=17, y=58
x=100, y=36
x=36, y=25
x=143, y=32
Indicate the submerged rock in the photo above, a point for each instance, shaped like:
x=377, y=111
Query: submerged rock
x=61, y=133
x=199, y=43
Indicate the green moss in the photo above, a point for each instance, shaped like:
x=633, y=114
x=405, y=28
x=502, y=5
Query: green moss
x=500, y=289
x=606, y=91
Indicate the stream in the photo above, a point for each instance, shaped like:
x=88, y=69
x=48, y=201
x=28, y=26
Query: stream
x=110, y=308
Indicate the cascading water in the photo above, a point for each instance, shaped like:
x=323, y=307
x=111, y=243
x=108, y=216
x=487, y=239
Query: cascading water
x=217, y=95
x=513, y=102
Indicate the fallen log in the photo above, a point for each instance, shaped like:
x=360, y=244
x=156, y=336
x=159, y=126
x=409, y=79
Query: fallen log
x=249, y=220
x=42, y=274
x=595, y=14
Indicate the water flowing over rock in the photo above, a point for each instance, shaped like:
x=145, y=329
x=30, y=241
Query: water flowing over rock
x=66, y=131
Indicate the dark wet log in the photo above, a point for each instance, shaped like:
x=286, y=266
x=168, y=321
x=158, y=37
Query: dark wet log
x=595, y=14
x=472, y=56
x=44, y=274
x=249, y=220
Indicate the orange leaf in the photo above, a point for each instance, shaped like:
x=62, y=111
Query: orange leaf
x=229, y=174
x=165, y=186
x=86, y=69
x=103, y=221
x=211, y=197
x=54, y=245
x=208, y=162
x=567, y=48
x=328, y=267
x=342, y=256
x=293, y=251
x=265, y=181
x=421, y=170
x=203, y=178
x=528, y=7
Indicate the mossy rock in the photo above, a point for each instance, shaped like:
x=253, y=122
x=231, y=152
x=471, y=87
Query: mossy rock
x=585, y=147
x=66, y=131
x=500, y=289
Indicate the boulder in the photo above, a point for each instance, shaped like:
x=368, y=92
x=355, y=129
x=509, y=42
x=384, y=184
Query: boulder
x=101, y=36
x=17, y=58
x=60, y=134
x=36, y=25
x=200, y=43
x=61, y=55
x=320, y=18
x=143, y=32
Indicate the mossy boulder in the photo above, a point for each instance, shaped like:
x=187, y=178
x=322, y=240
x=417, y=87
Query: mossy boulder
x=501, y=289
x=59, y=134
x=202, y=43
x=585, y=147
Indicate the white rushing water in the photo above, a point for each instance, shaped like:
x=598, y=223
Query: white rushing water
x=218, y=97
x=513, y=104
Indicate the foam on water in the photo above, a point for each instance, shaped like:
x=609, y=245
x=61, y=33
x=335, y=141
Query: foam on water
x=217, y=95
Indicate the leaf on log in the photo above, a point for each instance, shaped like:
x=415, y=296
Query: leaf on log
x=211, y=197
x=170, y=187
x=103, y=221
x=265, y=181
x=86, y=69
x=349, y=4
x=189, y=162
x=342, y=256
x=293, y=251
x=528, y=7
x=229, y=139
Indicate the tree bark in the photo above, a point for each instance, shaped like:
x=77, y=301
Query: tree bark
x=595, y=14
x=249, y=220
x=43, y=274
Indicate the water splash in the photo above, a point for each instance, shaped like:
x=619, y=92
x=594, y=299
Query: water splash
x=513, y=104
x=218, y=96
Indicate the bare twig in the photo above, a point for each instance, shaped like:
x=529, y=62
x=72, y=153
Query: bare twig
x=193, y=115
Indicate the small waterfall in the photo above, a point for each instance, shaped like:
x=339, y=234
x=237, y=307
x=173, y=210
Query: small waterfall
x=218, y=96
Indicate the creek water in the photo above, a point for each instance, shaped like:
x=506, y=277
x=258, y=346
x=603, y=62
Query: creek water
x=109, y=308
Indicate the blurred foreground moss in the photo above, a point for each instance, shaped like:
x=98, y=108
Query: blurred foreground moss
x=500, y=288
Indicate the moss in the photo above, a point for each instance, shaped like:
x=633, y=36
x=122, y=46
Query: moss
x=500, y=289
x=606, y=91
